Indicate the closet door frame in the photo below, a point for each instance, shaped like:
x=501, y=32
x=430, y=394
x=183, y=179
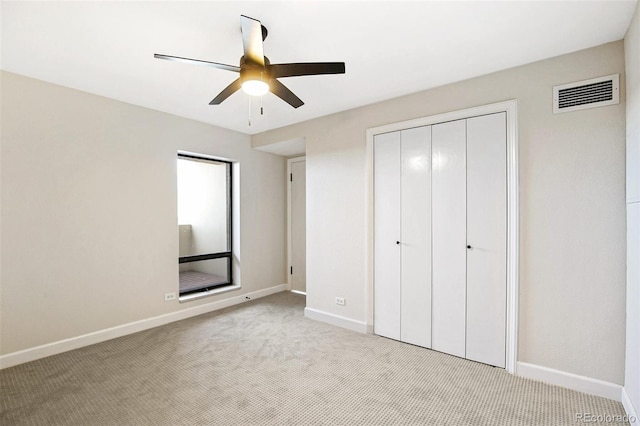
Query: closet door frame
x=510, y=107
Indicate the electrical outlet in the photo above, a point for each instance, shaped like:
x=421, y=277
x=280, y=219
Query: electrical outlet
x=340, y=301
x=169, y=296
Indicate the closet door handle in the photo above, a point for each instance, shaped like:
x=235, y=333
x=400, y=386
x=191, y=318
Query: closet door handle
x=397, y=242
x=469, y=247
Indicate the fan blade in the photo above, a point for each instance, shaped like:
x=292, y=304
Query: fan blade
x=197, y=62
x=228, y=91
x=281, y=91
x=252, y=40
x=311, y=68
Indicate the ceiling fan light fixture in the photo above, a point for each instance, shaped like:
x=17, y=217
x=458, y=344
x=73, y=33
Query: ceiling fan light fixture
x=255, y=87
x=257, y=75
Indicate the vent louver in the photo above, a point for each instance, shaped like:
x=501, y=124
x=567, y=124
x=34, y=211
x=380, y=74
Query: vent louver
x=585, y=94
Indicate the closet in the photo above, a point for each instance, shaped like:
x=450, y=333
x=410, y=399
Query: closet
x=440, y=221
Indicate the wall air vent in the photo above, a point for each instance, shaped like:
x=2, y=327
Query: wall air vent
x=597, y=92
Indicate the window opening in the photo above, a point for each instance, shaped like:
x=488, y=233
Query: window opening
x=204, y=223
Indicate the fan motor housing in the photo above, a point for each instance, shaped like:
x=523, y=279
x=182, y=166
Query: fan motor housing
x=253, y=71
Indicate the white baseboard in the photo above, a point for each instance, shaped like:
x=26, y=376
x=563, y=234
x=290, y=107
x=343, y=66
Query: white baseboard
x=628, y=406
x=31, y=354
x=344, y=322
x=571, y=381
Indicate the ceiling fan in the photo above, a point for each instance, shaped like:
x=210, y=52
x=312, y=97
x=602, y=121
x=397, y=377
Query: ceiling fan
x=257, y=75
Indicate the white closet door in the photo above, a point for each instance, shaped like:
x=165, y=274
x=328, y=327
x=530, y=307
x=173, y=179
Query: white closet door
x=487, y=237
x=298, y=226
x=415, y=244
x=449, y=237
x=387, y=232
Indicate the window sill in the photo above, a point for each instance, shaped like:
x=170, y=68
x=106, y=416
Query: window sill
x=194, y=296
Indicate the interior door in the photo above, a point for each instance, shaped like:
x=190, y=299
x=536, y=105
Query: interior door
x=298, y=226
x=415, y=243
x=387, y=235
x=449, y=237
x=487, y=239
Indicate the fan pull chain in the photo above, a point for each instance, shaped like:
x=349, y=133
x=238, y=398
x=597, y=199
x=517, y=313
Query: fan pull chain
x=251, y=109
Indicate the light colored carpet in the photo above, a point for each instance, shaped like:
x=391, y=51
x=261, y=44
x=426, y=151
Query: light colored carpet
x=192, y=280
x=263, y=363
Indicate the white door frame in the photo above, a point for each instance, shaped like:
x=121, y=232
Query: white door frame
x=510, y=107
x=289, y=245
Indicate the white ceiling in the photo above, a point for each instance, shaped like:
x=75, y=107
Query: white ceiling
x=390, y=48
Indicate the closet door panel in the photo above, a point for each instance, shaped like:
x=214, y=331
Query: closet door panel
x=387, y=231
x=415, y=244
x=449, y=237
x=486, y=234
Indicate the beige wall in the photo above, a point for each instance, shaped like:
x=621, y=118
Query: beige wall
x=572, y=209
x=632, y=60
x=89, y=235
